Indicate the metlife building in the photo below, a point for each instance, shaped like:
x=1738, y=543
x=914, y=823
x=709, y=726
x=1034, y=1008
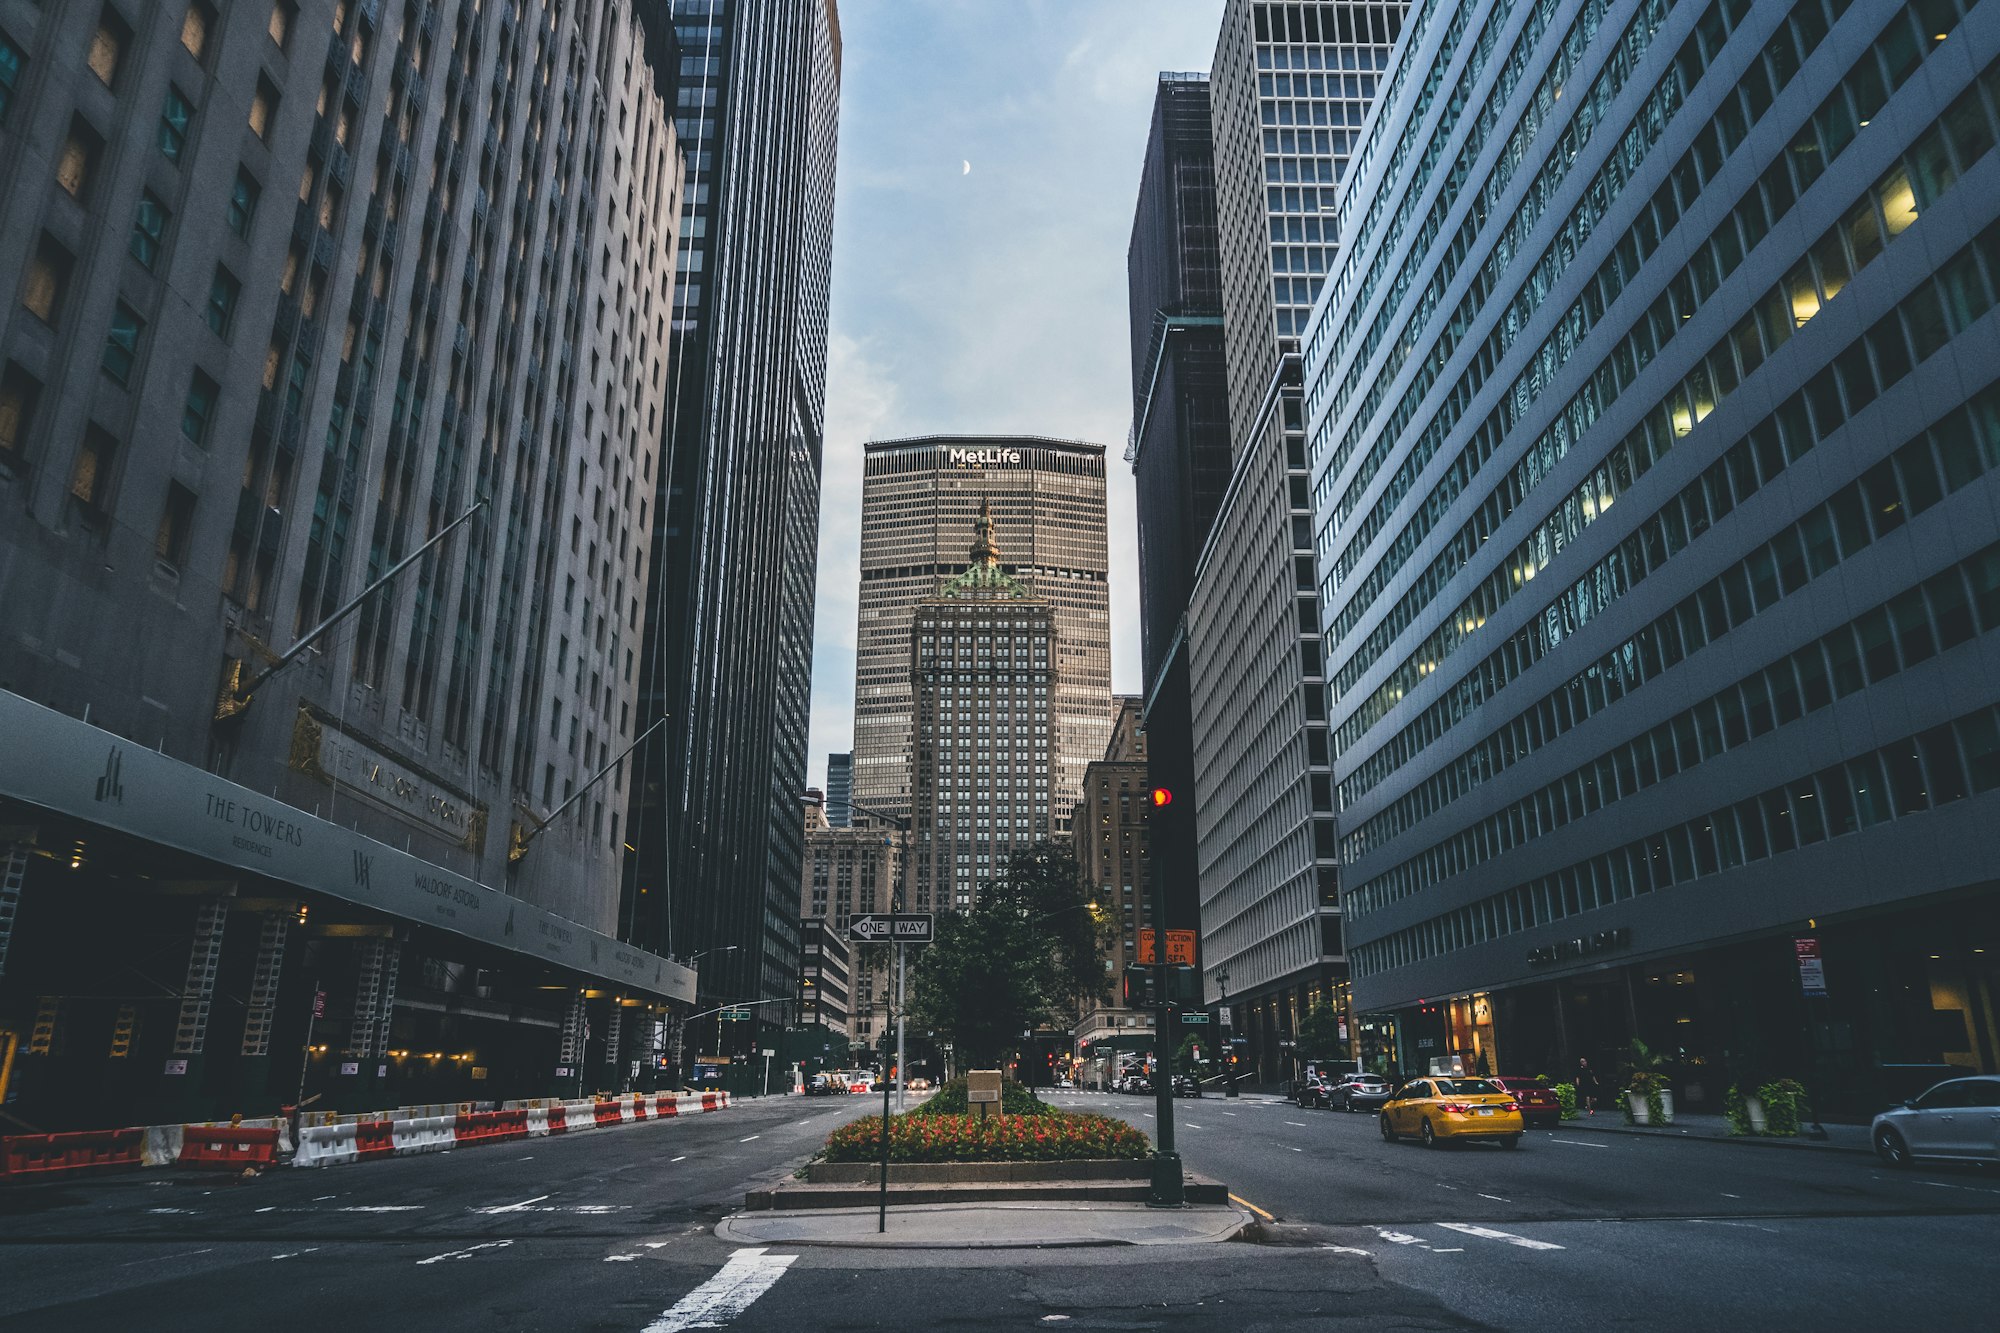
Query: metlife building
x=1652, y=419
x=920, y=499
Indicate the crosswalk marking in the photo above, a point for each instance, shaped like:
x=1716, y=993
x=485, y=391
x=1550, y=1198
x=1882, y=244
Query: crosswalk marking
x=1487, y=1233
x=748, y=1274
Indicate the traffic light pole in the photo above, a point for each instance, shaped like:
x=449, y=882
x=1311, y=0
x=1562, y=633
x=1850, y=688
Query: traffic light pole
x=1169, y=1190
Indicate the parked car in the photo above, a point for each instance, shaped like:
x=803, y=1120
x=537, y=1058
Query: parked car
x=1359, y=1092
x=1186, y=1085
x=819, y=1085
x=1957, y=1120
x=1440, y=1110
x=1313, y=1090
x=1540, y=1107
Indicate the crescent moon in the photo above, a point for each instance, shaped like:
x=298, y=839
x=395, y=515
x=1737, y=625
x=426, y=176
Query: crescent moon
x=967, y=169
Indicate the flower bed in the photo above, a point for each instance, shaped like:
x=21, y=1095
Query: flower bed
x=1051, y=1137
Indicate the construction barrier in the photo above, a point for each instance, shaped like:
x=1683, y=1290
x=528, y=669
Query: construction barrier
x=375, y=1138
x=326, y=1145
x=41, y=1155
x=227, y=1147
x=608, y=1113
x=162, y=1145
x=666, y=1106
x=558, y=1117
x=538, y=1121
x=425, y=1133
x=640, y=1111
x=491, y=1126
x=579, y=1115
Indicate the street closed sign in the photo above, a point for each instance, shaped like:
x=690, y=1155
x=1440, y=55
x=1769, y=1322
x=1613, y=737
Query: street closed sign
x=891, y=928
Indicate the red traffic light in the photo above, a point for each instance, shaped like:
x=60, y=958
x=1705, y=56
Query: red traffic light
x=1161, y=796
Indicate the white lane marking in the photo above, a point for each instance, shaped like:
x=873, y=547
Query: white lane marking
x=529, y=1158
x=748, y=1274
x=270, y=1209
x=1579, y=1143
x=1496, y=1198
x=1727, y=1195
x=681, y=1158
x=1938, y=1184
x=1441, y=1185
x=295, y=1253
x=384, y=1208
x=619, y=1258
x=1300, y=1123
x=1349, y=1249
x=1229, y=1113
x=1398, y=1237
x=1719, y=1222
x=1488, y=1233
x=1456, y=1249
x=465, y=1253
x=1147, y=1114
x=186, y=1254
x=753, y=1136
x=1192, y=1125
x=322, y=1198
x=170, y=1210
x=520, y=1207
x=1295, y=1149
x=657, y=1244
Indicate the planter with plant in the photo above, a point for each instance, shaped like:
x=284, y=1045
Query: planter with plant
x=1648, y=1099
x=1784, y=1106
x=1566, y=1097
x=1745, y=1111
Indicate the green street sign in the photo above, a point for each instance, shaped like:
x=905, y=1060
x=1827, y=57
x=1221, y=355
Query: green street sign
x=734, y=1016
x=1194, y=1018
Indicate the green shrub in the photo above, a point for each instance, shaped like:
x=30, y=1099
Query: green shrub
x=1735, y=1111
x=1053, y=1136
x=950, y=1099
x=1566, y=1097
x=1784, y=1106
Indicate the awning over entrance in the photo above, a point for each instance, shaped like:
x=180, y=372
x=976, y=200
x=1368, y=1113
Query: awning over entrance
x=67, y=766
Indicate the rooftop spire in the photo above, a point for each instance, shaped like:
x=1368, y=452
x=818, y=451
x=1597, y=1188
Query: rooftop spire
x=985, y=552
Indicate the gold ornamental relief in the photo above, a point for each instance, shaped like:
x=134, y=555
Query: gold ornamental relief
x=306, y=744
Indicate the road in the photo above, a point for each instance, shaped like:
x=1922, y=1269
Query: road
x=1578, y=1229
x=615, y=1231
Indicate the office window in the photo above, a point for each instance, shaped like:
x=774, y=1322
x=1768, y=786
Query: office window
x=121, y=344
x=280, y=26
x=78, y=159
x=107, y=47
x=263, y=108
x=11, y=61
x=90, y=480
x=199, y=410
x=48, y=274
x=175, y=116
x=242, y=203
x=222, y=293
x=195, y=28
x=18, y=392
x=149, y=230
x=176, y=524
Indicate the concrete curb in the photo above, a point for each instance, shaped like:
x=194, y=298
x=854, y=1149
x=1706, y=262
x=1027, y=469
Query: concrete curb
x=1140, y=1225
x=1738, y=1140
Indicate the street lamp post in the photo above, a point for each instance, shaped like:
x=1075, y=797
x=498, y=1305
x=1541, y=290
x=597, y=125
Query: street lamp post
x=902, y=1076
x=1229, y=1061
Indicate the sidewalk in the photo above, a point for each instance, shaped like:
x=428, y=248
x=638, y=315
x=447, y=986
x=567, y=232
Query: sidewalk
x=994, y=1226
x=1715, y=1129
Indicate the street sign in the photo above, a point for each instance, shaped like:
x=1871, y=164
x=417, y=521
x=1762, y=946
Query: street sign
x=1180, y=947
x=1194, y=1018
x=1812, y=970
x=892, y=928
x=733, y=1016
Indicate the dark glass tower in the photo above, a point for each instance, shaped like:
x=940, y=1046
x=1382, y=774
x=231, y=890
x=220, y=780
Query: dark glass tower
x=1180, y=432
x=713, y=862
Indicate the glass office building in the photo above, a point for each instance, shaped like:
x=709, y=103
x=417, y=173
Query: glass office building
x=1651, y=414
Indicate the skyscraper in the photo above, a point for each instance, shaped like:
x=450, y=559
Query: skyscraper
x=1290, y=83
x=1112, y=835
x=839, y=788
x=727, y=657
x=290, y=293
x=1659, y=567
x=919, y=499
x=983, y=650
x=1180, y=439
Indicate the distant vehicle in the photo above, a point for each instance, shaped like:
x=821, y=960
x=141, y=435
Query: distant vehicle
x=1186, y=1085
x=1957, y=1120
x=823, y=1085
x=1440, y=1110
x=1540, y=1107
x=920, y=1084
x=1132, y=1083
x=1313, y=1090
x=1359, y=1092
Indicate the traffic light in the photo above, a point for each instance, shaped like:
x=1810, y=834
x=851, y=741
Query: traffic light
x=1162, y=796
x=1138, y=987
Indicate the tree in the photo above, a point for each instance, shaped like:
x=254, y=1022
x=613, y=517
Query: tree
x=1187, y=1060
x=1026, y=954
x=1319, y=1034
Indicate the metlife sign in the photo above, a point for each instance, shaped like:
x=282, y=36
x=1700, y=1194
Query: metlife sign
x=983, y=457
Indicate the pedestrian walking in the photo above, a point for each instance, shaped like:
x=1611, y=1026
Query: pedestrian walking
x=1586, y=1086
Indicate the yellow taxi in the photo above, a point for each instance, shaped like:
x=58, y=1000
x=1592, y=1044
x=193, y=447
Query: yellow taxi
x=1432, y=1110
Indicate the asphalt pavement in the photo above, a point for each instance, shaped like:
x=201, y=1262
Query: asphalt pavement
x=617, y=1230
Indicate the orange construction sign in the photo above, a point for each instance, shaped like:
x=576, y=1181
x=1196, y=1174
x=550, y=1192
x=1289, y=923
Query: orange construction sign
x=1180, y=947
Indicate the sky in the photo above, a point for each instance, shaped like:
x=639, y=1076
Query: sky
x=991, y=300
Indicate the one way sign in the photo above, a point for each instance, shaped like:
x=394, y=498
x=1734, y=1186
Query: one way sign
x=891, y=928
